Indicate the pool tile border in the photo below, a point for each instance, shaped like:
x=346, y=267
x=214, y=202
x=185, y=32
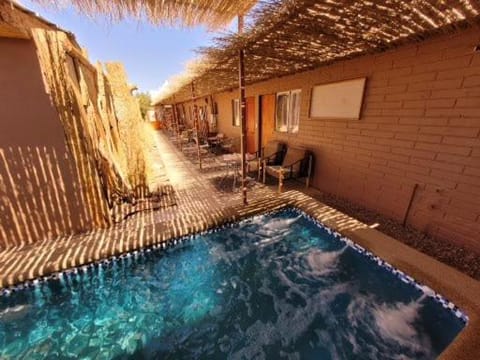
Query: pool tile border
x=448, y=305
x=135, y=254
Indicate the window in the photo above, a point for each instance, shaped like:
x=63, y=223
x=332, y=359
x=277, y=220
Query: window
x=235, y=112
x=287, y=113
x=281, y=111
x=295, y=110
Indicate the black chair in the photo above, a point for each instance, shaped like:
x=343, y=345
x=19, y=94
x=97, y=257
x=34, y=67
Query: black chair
x=273, y=153
x=297, y=163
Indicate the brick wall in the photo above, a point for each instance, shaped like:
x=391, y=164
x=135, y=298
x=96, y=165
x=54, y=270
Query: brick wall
x=420, y=124
x=225, y=113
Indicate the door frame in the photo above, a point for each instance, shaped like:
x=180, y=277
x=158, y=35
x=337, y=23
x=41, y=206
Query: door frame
x=260, y=117
x=253, y=121
x=260, y=123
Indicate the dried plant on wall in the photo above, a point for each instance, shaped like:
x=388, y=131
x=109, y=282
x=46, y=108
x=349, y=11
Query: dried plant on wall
x=82, y=181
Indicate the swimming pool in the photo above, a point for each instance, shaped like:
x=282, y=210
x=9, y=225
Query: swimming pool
x=272, y=286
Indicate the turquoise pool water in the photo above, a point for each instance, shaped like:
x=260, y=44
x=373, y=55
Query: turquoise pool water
x=274, y=286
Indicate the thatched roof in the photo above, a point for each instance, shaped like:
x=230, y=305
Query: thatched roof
x=289, y=36
x=21, y=28
x=212, y=13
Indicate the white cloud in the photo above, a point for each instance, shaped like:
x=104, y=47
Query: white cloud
x=193, y=70
x=157, y=93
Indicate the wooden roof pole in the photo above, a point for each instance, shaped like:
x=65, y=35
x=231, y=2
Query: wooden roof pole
x=175, y=122
x=195, y=123
x=243, y=113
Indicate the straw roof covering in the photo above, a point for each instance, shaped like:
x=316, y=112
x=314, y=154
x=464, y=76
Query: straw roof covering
x=290, y=36
x=212, y=13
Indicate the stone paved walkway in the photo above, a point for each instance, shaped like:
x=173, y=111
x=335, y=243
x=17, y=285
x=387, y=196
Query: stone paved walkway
x=193, y=205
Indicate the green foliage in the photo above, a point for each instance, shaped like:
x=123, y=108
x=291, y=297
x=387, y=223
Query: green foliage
x=145, y=101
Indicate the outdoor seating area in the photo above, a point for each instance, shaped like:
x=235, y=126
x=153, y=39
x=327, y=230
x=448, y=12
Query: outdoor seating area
x=186, y=139
x=220, y=158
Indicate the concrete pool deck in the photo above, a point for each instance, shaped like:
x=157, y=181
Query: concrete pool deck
x=199, y=206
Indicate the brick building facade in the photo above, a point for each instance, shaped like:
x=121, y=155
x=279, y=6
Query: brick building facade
x=419, y=124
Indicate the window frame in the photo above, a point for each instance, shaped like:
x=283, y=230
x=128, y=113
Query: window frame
x=236, y=112
x=294, y=113
x=291, y=114
x=277, y=96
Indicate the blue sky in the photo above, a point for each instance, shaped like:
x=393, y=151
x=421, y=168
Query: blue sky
x=150, y=54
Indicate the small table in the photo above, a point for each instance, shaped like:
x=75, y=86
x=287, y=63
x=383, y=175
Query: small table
x=234, y=162
x=215, y=142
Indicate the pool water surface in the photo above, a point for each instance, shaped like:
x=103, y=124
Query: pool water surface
x=271, y=287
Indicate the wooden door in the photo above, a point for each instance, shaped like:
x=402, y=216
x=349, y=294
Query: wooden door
x=267, y=118
x=250, y=101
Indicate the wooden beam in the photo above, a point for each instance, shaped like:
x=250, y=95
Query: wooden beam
x=195, y=122
x=243, y=113
x=175, y=123
x=77, y=54
x=11, y=32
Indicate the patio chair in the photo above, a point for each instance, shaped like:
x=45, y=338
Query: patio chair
x=273, y=152
x=229, y=145
x=203, y=145
x=296, y=163
x=216, y=143
x=185, y=137
x=185, y=140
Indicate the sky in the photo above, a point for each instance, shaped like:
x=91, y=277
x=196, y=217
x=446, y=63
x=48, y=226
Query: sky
x=151, y=54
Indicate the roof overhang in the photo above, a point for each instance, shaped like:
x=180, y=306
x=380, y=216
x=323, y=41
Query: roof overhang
x=288, y=37
x=211, y=13
x=9, y=31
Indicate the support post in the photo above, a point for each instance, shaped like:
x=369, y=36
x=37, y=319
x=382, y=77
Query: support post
x=196, y=124
x=280, y=181
x=243, y=113
x=264, y=167
x=309, y=172
x=259, y=167
x=175, y=122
